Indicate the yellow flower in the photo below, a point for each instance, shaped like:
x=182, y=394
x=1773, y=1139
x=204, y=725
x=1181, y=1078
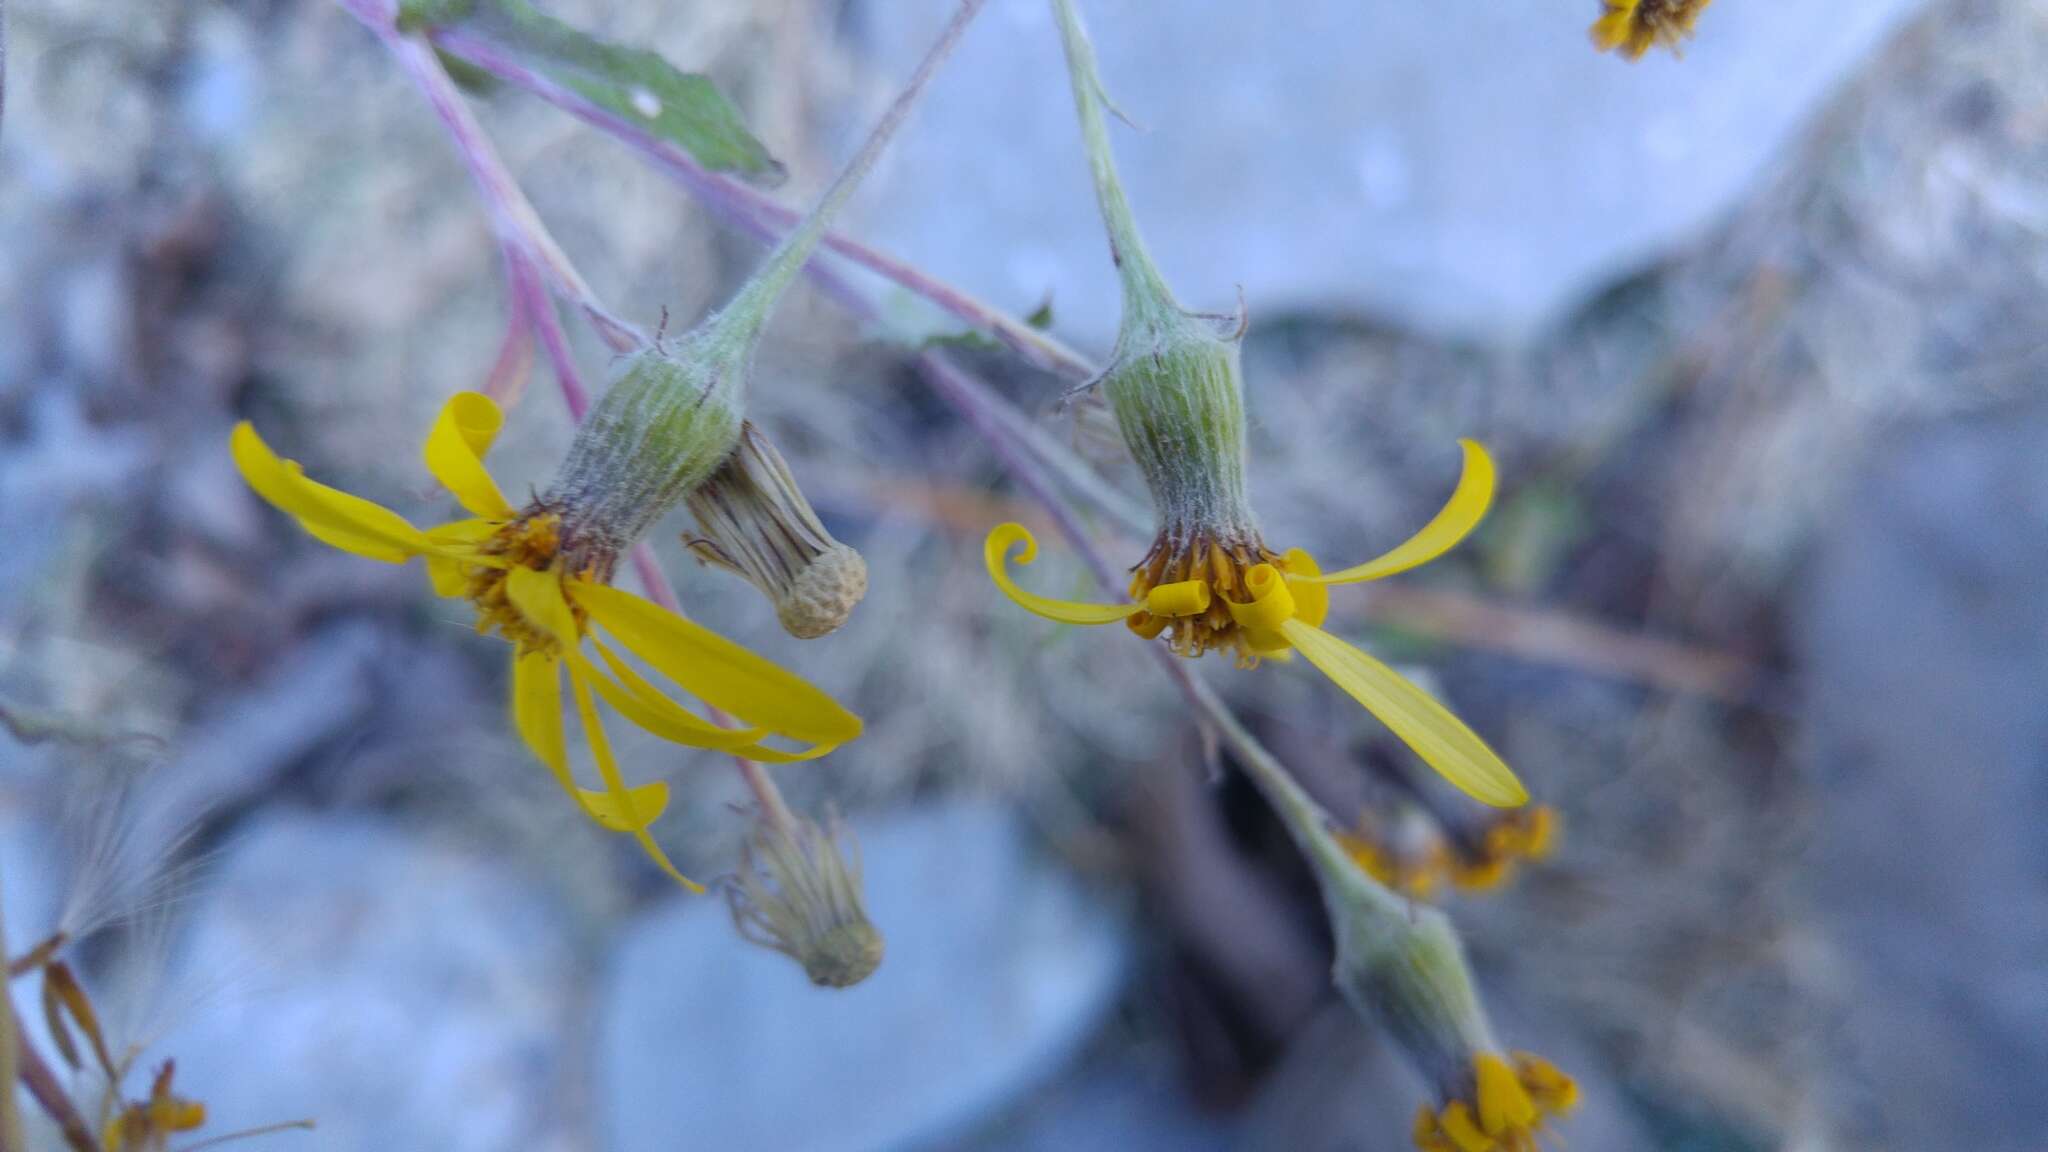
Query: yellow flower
x=149, y=1124
x=1414, y=858
x=1633, y=27
x=1508, y=1106
x=1244, y=598
x=538, y=578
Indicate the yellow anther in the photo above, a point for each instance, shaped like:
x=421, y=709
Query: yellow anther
x=1182, y=598
x=1463, y=1130
x=1503, y=1104
x=1272, y=603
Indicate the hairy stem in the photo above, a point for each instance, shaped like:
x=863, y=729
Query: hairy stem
x=752, y=305
x=1144, y=288
x=518, y=225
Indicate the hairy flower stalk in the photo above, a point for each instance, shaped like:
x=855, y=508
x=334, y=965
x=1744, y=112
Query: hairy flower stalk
x=673, y=416
x=1210, y=582
x=798, y=891
x=1401, y=967
x=1632, y=27
x=755, y=521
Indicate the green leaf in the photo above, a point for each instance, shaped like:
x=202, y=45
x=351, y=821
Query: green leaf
x=636, y=85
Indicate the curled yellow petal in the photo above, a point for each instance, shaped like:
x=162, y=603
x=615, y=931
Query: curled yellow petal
x=995, y=552
x=455, y=449
x=1272, y=602
x=347, y=522
x=1181, y=598
x=1441, y=739
x=1458, y=517
x=1311, y=597
x=624, y=806
x=716, y=670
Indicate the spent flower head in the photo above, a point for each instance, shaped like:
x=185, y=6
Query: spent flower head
x=1210, y=581
x=798, y=891
x=1632, y=27
x=753, y=519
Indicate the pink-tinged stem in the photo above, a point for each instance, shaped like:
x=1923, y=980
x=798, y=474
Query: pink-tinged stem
x=519, y=227
x=514, y=362
x=49, y=1095
x=738, y=199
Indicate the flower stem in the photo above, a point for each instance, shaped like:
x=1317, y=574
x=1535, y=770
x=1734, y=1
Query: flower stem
x=1145, y=289
x=758, y=211
x=749, y=310
x=518, y=225
x=12, y=1138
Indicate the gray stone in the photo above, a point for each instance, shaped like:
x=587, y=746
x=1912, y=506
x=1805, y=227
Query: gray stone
x=998, y=966
x=401, y=993
x=1472, y=168
x=1922, y=631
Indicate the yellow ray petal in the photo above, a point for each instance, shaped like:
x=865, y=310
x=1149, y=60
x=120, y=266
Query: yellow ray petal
x=538, y=596
x=347, y=522
x=716, y=670
x=451, y=574
x=455, y=453
x=995, y=553
x=1441, y=739
x=647, y=707
x=643, y=704
x=1459, y=516
x=608, y=768
x=537, y=715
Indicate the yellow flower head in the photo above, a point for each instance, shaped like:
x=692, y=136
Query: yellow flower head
x=1414, y=858
x=1261, y=605
x=537, y=576
x=149, y=1124
x=1633, y=27
x=1210, y=582
x=1506, y=1105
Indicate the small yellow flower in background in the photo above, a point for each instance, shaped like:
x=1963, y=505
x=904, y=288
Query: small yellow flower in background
x=1413, y=856
x=1509, y=1101
x=1633, y=27
x=147, y=1125
x=1240, y=597
x=538, y=577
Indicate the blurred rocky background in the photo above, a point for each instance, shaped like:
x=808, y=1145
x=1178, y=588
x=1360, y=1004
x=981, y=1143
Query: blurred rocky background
x=1759, y=337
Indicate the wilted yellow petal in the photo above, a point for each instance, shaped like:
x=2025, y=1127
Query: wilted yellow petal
x=995, y=553
x=450, y=574
x=1459, y=516
x=716, y=670
x=623, y=800
x=335, y=517
x=1441, y=739
x=455, y=453
x=1272, y=602
x=1181, y=598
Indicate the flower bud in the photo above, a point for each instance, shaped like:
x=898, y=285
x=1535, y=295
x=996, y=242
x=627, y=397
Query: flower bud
x=668, y=420
x=756, y=522
x=797, y=894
